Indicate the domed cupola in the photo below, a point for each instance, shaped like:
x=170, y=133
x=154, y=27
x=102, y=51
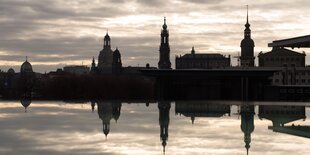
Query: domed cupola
x=11, y=71
x=26, y=67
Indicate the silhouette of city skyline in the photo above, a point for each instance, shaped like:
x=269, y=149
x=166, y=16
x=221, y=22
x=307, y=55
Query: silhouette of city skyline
x=223, y=79
x=279, y=115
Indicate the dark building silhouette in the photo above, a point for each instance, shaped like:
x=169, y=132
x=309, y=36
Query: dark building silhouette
x=93, y=68
x=105, y=114
x=11, y=71
x=200, y=109
x=25, y=103
x=26, y=80
x=107, y=111
x=164, y=118
x=116, y=110
x=247, y=124
x=164, y=50
x=281, y=57
x=281, y=115
x=92, y=104
x=291, y=65
x=105, y=56
x=108, y=61
x=201, y=61
x=117, y=62
x=247, y=47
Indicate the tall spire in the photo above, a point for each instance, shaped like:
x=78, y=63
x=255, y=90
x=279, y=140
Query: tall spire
x=247, y=25
x=164, y=20
x=165, y=25
x=247, y=13
x=247, y=31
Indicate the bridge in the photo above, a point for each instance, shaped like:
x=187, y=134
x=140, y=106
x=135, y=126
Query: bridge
x=223, y=84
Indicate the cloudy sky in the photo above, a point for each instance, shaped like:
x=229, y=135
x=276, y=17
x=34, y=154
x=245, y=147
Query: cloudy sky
x=54, y=33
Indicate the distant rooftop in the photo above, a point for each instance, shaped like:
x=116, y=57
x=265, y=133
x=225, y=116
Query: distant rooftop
x=203, y=55
x=301, y=41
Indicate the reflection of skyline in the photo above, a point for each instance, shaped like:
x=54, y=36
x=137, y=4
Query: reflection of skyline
x=164, y=118
x=179, y=131
x=107, y=111
x=281, y=115
x=193, y=110
x=25, y=103
x=247, y=124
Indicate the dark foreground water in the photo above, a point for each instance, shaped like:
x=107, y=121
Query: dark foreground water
x=212, y=127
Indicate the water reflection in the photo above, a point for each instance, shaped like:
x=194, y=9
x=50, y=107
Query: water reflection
x=247, y=123
x=107, y=111
x=164, y=118
x=200, y=109
x=25, y=103
x=137, y=124
x=282, y=115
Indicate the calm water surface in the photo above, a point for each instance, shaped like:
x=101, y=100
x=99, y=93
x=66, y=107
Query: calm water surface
x=212, y=127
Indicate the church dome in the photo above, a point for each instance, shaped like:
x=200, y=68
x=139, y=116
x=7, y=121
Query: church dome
x=26, y=67
x=247, y=42
x=11, y=71
x=25, y=103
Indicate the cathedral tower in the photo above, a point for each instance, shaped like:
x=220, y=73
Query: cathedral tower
x=117, y=62
x=105, y=56
x=164, y=51
x=247, y=46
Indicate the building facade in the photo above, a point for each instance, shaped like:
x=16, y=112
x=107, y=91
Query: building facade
x=291, y=65
x=164, y=50
x=201, y=61
x=281, y=57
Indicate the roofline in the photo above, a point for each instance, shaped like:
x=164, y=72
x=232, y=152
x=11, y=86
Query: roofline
x=290, y=41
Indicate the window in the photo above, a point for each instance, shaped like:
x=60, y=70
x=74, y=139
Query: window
x=303, y=81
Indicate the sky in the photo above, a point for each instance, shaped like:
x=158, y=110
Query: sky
x=55, y=33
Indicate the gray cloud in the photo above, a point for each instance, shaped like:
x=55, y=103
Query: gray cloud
x=73, y=30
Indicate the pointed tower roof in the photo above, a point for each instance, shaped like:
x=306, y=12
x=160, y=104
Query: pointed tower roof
x=165, y=25
x=247, y=16
x=107, y=36
x=193, y=50
x=247, y=24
